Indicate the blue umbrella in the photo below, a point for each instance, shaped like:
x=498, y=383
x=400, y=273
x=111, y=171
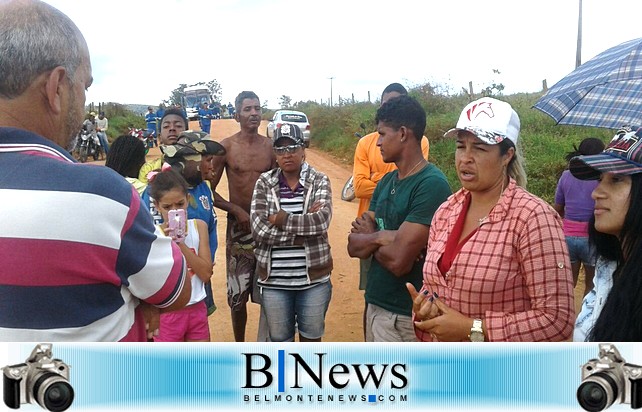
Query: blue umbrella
x=606, y=91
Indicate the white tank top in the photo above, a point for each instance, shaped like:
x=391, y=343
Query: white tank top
x=193, y=241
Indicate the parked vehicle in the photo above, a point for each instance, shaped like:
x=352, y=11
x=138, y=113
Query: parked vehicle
x=88, y=145
x=193, y=97
x=347, y=193
x=293, y=117
x=146, y=136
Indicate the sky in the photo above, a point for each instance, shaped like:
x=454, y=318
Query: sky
x=142, y=50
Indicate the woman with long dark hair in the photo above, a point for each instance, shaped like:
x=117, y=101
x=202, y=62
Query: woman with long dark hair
x=616, y=230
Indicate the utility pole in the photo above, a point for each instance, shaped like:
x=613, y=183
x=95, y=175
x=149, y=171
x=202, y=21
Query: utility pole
x=331, y=78
x=578, y=53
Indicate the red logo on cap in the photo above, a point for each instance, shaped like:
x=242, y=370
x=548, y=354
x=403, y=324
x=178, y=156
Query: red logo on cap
x=479, y=108
x=624, y=143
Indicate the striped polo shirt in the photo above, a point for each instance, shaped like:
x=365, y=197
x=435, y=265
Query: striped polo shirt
x=77, y=248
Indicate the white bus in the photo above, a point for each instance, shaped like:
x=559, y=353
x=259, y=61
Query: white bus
x=193, y=97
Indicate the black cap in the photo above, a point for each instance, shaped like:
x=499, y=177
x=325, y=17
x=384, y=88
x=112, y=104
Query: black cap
x=289, y=131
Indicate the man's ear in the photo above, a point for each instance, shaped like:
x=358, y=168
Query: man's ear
x=54, y=88
x=403, y=130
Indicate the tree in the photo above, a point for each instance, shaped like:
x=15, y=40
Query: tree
x=176, y=96
x=215, y=90
x=285, y=101
x=495, y=89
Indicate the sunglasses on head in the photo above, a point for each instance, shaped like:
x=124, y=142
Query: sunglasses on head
x=280, y=150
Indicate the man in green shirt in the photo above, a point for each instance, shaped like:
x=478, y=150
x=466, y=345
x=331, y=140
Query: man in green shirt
x=395, y=229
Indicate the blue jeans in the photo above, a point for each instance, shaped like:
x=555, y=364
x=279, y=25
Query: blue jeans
x=103, y=141
x=580, y=250
x=287, y=310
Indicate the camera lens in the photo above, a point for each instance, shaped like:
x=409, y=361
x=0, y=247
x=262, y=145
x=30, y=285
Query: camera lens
x=53, y=392
x=592, y=396
x=597, y=392
x=58, y=396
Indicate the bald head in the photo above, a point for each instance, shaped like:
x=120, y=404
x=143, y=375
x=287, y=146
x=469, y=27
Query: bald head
x=35, y=38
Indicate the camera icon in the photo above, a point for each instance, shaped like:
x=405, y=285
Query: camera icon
x=608, y=380
x=41, y=379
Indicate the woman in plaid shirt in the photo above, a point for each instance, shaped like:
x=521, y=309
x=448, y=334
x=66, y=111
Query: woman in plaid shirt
x=497, y=267
x=290, y=215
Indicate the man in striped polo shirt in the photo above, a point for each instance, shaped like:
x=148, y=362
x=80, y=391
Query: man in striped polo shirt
x=78, y=250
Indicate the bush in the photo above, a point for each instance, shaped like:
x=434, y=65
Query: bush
x=544, y=144
x=119, y=125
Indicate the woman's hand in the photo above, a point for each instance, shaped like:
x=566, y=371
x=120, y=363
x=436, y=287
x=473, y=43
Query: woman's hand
x=448, y=326
x=422, y=303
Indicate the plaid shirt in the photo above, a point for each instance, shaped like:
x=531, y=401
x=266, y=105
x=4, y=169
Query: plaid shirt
x=514, y=272
x=307, y=229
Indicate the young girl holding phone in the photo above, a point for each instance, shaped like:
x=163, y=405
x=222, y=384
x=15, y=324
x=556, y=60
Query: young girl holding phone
x=169, y=189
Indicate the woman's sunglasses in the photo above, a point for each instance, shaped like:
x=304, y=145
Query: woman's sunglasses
x=281, y=150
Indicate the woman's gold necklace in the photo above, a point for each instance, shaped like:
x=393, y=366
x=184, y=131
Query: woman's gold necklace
x=394, y=182
x=483, y=219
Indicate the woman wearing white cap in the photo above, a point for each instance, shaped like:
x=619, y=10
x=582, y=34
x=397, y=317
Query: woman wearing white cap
x=611, y=312
x=497, y=267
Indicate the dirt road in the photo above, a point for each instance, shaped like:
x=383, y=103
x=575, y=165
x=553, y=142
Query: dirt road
x=343, y=322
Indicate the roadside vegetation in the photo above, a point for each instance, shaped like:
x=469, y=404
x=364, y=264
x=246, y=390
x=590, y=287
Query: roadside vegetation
x=543, y=143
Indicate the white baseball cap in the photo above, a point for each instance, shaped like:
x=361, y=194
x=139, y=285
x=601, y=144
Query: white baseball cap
x=489, y=119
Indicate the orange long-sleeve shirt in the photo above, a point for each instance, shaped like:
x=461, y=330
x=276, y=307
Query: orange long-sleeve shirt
x=369, y=168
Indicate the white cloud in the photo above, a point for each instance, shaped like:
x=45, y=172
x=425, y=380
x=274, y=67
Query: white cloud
x=142, y=50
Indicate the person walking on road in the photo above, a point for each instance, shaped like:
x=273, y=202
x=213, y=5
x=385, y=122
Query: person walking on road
x=205, y=117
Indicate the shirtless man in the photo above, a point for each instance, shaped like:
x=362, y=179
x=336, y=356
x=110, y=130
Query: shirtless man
x=248, y=154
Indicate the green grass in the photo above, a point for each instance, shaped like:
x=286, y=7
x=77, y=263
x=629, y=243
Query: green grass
x=119, y=124
x=543, y=143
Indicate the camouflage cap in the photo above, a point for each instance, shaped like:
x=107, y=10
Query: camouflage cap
x=179, y=150
x=201, y=142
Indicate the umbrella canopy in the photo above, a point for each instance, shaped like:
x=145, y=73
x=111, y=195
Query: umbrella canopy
x=606, y=91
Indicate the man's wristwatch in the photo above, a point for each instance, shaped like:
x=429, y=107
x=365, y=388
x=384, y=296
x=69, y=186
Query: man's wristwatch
x=476, y=332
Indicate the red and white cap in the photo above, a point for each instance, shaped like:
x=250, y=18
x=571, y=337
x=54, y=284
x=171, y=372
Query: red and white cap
x=489, y=119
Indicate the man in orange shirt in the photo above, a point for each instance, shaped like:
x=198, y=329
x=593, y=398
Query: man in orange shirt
x=369, y=168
